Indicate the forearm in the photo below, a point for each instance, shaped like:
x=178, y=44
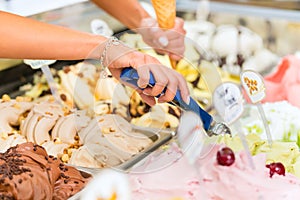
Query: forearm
x=128, y=12
x=26, y=38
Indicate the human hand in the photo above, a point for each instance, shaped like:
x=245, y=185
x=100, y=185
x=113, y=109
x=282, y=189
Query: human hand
x=120, y=56
x=169, y=42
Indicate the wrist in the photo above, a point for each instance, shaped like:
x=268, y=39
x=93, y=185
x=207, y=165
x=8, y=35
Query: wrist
x=104, y=55
x=96, y=45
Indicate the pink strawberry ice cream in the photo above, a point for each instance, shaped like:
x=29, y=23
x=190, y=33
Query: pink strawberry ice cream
x=165, y=176
x=169, y=175
x=240, y=181
x=284, y=83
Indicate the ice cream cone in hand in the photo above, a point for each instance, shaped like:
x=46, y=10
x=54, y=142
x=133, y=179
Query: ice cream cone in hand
x=165, y=13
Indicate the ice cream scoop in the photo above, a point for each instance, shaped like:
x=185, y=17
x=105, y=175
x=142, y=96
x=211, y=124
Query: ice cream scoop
x=211, y=127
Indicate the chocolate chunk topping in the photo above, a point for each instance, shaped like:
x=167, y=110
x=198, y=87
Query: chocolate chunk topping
x=13, y=165
x=63, y=97
x=67, y=69
x=84, y=174
x=64, y=176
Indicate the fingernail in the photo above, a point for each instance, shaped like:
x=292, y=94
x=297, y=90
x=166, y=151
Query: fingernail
x=163, y=41
x=142, y=86
x=187, y=100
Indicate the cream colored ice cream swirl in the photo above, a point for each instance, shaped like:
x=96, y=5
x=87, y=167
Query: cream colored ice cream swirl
x=48, y=121
x=40, y=120
x=78, y=80
x=111, y=140
x=11, y=112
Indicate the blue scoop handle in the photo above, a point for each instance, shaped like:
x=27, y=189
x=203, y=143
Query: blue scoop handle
x=131, y=76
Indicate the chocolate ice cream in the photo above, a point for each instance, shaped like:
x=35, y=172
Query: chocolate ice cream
x=27, y=172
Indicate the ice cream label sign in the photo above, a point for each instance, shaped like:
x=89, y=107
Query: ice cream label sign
x=36, y=64
x=254, y=85
x=228, y=101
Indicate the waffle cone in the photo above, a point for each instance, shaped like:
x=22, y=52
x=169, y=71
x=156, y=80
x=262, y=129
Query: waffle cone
x=165, y=12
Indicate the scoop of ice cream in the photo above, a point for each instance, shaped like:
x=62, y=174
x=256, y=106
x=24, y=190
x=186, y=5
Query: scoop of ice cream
x=110, y=136
x=165, y=175
x=201, y=31
x=93, y=155
x=54, y=148
x=111, y=89
x=40, y=120
x=136, y=105
x=285, y=152
x=10, y=140
x=283, y=121
x=283, y=84
x=27, y=172
x=78, y=80
x=82, y=157
x=70, y=182
x=261, y=61
x=48, y=121
x=103, y=107
x=231, y=40
x=67, y=127
x=158, y=117
x=240, y=181
x=11, y=112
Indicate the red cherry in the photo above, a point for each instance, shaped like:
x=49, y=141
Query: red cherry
x=225, y=157
x=276, y=168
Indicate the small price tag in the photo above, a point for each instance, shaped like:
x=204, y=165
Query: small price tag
x=228, y=101
x=36, y=64
x=254, y=85
x=100, y=27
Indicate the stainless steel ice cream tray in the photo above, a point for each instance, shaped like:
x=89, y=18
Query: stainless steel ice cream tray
x=159, y=137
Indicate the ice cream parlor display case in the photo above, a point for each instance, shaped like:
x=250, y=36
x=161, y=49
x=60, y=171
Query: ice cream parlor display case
x=101, y=141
